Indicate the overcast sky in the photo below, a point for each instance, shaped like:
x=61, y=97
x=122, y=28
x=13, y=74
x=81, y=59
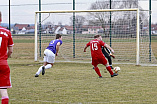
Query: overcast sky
x=21, y=12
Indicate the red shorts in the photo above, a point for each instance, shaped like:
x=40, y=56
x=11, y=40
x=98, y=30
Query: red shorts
x=5, y=81
x=99, y=60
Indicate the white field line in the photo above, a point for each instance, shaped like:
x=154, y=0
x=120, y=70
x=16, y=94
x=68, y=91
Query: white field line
x=45, y=101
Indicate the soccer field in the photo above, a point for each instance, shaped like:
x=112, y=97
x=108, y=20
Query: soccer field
x=77, y=83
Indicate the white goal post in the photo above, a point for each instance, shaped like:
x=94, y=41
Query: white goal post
x=137, y=52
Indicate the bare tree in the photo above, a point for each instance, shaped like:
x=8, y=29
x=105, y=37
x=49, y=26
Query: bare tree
x=103, y=18
x=79, y=21
x=129, y=4
x=100, y=18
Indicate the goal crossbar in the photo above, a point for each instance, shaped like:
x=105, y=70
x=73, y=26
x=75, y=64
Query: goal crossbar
x=77, y=11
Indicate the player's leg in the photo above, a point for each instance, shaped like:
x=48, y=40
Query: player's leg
x=4, y=83
x=41, y=67
x=95, y=63
x=4, y=95
x=108, y=58
x=97, y=71
x=110, y=71
x=49, y=61
x=104, y=62
x=46, y=66
x=39, y=71
x=110, y=61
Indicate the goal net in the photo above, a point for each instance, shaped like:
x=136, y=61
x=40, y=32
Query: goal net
x=125, y=30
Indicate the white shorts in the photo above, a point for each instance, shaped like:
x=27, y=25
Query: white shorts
x=49, y=56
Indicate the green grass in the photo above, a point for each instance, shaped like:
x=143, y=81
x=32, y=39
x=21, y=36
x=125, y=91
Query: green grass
x=67, y=39
x=154, y=39
x=77, y=83
x=23, y=40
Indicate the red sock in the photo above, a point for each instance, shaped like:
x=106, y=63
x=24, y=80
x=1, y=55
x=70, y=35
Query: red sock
x=97, y=71
x=5, y=100
x=109, y=69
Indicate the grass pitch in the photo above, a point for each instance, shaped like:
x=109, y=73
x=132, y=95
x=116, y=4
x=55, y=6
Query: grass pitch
x=77, y=83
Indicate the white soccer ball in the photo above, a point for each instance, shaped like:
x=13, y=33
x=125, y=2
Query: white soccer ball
x=116, y=69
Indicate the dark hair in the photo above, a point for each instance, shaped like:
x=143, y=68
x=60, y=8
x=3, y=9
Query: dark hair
x=58, y=36
x=96, y=36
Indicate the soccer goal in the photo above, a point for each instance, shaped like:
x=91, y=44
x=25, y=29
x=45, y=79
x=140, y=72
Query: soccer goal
x=125, y=30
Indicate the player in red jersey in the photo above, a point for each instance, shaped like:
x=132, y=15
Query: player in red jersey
x=97, y=55
x=6, y=49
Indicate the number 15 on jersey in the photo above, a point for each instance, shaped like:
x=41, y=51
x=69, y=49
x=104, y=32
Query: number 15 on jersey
x=94, y=46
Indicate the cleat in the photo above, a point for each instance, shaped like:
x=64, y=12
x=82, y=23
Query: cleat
x=100, y=77
x=36, y=75
x=43, y=70
x=114, y=74
x=111, y=67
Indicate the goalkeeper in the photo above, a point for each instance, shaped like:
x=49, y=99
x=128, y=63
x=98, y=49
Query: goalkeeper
x=108, y=54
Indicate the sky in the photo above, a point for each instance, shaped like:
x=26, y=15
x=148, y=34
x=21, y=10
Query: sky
x=23, y=11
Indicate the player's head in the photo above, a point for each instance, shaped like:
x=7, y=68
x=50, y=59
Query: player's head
x=58, y=36
x=98, y=37
x=0, y=16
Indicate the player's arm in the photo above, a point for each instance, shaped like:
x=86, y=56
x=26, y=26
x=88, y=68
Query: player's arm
x=106, y=45
x=57, y=48
x=103, y=50
x=110, y=53
x=87, y=45
x=10, y=51
x=85, y=48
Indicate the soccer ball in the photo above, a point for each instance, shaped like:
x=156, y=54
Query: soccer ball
x=116, y=69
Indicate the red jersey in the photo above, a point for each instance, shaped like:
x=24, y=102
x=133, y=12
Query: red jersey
x=95, y=47
x=5, y=41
